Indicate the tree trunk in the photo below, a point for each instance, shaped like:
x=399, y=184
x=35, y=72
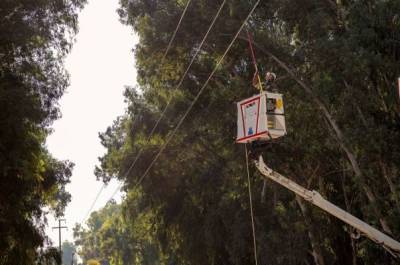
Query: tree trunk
x=351, y=229
x=315, y=244
x=390, y=183
x=263, y=191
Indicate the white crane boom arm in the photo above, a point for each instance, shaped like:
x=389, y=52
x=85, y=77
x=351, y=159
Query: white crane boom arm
x=315, y=198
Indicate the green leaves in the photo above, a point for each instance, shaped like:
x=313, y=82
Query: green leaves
x=35, y=37
x=344, y=52
x=115, y=237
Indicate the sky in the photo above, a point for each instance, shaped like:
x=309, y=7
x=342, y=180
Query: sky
x=100, y=65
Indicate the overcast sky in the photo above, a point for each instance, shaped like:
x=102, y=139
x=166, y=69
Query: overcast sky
x=100, y=65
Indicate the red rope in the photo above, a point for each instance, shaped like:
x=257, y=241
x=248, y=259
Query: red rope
x=250, y=39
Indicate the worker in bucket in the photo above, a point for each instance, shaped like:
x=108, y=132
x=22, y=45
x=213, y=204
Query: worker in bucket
x=269, y=79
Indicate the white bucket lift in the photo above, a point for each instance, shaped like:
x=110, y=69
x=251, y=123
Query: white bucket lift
x=261, y=117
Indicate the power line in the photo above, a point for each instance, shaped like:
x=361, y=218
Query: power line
x=194, y=100
x=198, y=95
x=158, y=121
x=94, y=202
x=176, y=88
x=176, y=30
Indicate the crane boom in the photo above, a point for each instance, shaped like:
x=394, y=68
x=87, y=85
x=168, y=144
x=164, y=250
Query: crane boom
x=315, y=198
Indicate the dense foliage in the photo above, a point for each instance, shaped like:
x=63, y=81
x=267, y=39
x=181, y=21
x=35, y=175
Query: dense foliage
x=35, y=36
x=115, y=238
x=337, y=64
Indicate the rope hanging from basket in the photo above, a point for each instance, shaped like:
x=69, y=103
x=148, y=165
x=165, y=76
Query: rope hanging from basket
x=251, y=206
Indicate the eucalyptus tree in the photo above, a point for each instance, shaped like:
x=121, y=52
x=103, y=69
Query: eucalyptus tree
x=337, y=64
x=35, y=36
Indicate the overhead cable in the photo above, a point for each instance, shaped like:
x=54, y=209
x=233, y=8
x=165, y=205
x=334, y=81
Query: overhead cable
x=176, y=30
x=198, y=95
x=94, y=202
x=176, y=88
x=132, y=165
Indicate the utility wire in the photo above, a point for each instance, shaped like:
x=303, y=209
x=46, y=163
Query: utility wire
x=176, y=30
x=176, y=88
x=98, y=195
x=198, y=95
x=94, y=202
x=155, y=126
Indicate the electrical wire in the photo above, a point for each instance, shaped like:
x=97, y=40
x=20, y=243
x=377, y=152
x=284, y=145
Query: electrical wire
x=94, y=202
x=158, y=121
x=176, y=88
x=192, y=104
x=176, y=30
x=198, y=95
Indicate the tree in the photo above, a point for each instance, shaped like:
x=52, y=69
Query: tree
x=336, y=63
x=50, y=256
x=35, y=37
x=112, y=240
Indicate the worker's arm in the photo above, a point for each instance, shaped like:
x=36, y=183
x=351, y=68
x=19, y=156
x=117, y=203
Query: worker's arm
x=255, y=80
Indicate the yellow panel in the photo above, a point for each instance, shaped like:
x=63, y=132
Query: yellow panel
x=279, y=103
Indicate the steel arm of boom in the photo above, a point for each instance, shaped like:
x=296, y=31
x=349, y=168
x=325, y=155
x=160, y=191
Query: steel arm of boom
x=315, y=198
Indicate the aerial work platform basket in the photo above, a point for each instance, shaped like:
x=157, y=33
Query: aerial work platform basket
x=260, y=118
